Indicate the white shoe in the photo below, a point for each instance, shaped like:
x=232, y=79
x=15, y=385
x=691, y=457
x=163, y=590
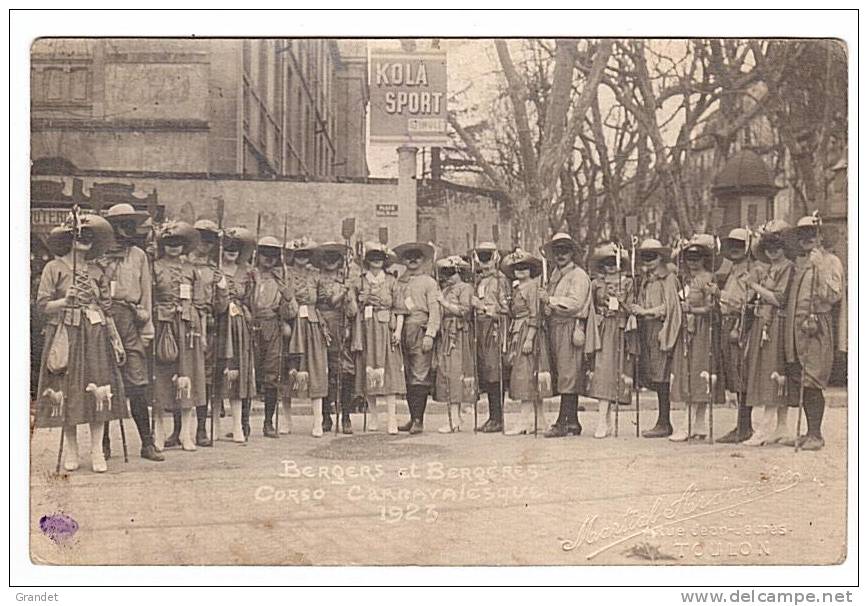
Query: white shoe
x=759, y=438
x=679, y=436
x=454, y=423
x=317, y=430
x=99, y=464
x=517, y=431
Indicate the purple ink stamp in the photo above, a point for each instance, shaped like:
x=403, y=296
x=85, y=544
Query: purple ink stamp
x=58, y=527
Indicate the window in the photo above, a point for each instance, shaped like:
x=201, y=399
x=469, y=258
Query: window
x=79, y=84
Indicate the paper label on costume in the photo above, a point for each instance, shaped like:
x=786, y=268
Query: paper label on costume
x=613, y=304
x=303, y=312
x=685, y=292
x=113, y=286
x=186, y=291
x=222, y=284
x=480, y=291
x=408, y=303
x=93, y=316
x=234, y=310
x=369, y=312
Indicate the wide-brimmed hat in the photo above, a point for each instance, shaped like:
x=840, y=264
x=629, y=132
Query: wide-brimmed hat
x=453, y=262
x=739, y=238
x=271, y=243
x=328, y=247
x=206, y=225
x=607, y=250
x=507, y=266
x=304, y=244
x=702, y=243
x=103, y=235
x=372, y=246
x=243, y=236
x=180, y=229
x=426, y=249
x=653, y=245
x=558, y=240
x=776, y=230
x=125, y=212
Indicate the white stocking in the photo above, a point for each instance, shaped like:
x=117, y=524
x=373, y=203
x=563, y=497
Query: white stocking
x=96, y=456
x=159, y=431
x=286, y=418
x=70, y=448
x=237, y=430
x=316, y=406
x=373, y=421
x=188, y=429
x=391, y=419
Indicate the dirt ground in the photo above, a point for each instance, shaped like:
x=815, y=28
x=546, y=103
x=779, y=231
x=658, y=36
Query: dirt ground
x=460, y=499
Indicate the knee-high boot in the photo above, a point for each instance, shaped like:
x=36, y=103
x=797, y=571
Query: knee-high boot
x=201, y=419
x=96, y=455
x=268, y=429
x=70, y=447
x=245, y=418
x=663, y=427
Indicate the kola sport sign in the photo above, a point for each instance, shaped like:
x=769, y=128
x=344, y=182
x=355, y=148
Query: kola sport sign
x=408, y=97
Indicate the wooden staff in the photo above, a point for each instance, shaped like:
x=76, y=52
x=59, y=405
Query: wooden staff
x=474, y=328
x=220, y=209
x=631, y=227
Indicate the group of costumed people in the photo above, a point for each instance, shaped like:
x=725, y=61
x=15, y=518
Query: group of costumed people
x=211, y=316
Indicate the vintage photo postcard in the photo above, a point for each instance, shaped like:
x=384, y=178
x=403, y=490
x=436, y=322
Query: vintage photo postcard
x=439, y=301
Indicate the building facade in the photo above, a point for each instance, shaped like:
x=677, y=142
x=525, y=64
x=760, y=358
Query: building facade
x=264, y=107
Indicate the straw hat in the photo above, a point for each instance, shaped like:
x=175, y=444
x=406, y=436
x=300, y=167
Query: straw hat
x=453, y=262
x=328, y=247
x=653, y=245
x=776, y=230
x=125, y=212
x=103, y=235
x=608, y=250
x=426, y=249
x=702, y=243
x=180, y=229
x=509, y=262
x=243, y=236
x=738, y=238
x=206, y=225
x=558, y=240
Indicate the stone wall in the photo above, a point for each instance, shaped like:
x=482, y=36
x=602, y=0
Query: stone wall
x=314, y=208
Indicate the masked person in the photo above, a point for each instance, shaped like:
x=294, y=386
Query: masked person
x=179, y=312
x=734, y=327
x=128, y=272
x=455, y=379
x=766, y=362
x=308, y=345
x=818, y=283
x=235, y=372
x=490, y=303
x=271, y=303
x=693, y=382
x=658, y=311
x=569, y=314
x=419, y=303
x=204, y=259
x=613, y=298
x=335, y=304
x=377, y=337
x=530, y=377
x=80, y=380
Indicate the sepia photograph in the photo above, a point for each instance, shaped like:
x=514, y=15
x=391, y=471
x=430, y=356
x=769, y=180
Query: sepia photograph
x=462, y=301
